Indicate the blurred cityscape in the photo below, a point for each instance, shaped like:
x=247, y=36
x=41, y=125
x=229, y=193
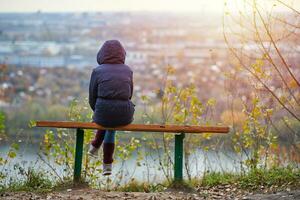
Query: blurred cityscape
x=48, y=57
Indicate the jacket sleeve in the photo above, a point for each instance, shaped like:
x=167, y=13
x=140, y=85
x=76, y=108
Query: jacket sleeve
x=93, y=89
x=131, y=86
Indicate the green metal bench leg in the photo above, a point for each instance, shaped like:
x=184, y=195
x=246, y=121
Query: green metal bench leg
x=178, y=164
x=78, y=154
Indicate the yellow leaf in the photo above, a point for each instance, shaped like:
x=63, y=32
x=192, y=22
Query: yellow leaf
x=206, y=148
x=292, y=84
x=206, y=135
x=211, y=102
x=170, y=70
x=12, y=154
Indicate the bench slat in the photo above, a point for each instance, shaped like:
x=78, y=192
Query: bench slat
x=136, y=127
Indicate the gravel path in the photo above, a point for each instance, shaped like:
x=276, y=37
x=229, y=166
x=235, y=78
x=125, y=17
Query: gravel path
x=292, y=195
x=90, y=194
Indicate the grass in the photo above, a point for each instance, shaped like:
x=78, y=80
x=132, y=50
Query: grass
x=34, y=181
x=255, y=179
x=216, y=178
x=275, y=177
x=279, y=178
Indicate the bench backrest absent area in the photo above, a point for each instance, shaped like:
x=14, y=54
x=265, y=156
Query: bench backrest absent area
x=181, y=129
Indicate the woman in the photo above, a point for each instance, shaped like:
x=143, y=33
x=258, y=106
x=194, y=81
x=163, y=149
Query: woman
x=110, y=93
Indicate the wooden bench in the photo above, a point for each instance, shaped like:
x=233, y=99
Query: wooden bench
x=181, y=129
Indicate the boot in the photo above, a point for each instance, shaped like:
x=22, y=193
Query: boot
x=108, y=151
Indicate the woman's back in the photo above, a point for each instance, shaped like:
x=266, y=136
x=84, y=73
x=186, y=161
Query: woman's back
x=111, y=87
x=114, y=81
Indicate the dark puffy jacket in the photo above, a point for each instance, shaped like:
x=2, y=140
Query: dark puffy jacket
x=111, y=87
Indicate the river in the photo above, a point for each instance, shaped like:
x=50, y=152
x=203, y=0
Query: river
x=200, y=161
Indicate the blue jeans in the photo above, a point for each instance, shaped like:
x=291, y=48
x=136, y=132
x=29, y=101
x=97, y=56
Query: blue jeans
x=108, y=139
x=106, y=136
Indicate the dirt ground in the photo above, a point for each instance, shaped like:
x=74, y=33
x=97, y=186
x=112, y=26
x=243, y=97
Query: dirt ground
x=90, y=194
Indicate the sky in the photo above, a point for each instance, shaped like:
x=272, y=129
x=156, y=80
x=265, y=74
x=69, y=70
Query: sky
x=121, y=5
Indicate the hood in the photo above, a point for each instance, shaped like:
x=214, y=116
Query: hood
x=111, y=52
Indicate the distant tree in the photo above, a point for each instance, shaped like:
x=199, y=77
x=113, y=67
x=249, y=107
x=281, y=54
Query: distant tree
x=264, y=43
x=263, y=40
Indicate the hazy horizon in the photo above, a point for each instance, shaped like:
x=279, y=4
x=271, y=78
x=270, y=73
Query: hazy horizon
x=191, y=6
